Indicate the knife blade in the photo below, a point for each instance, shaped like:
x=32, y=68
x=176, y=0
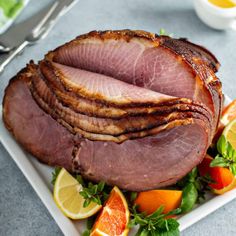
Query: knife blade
x=17, y=33
x=47, y=17
x=61, y=8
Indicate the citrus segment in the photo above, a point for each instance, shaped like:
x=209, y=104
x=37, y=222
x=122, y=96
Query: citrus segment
x=230, y=133
x=150, y=201
x=229, y=113
x=229, y=187
x=223, y=179
x=114, y=217
x=67, y=197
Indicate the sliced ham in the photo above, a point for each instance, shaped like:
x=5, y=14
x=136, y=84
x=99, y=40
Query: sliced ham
x=51, y=143
x=130, y=108
x=34, y=129
x=98, y=108
x=106, y=89
x=152, y=158
x=116, y=127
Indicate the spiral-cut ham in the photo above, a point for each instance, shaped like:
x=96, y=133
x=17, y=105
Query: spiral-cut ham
x=130, y=108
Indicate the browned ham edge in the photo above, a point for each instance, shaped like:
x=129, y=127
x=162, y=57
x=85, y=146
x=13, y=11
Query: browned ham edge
x=96, y=109
x=195, y=61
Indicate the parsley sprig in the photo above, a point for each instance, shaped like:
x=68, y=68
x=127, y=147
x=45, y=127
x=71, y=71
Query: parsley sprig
x=164, y=33
x=155, y=224
x=94, y=193
x=55, y=173
x=226, y=156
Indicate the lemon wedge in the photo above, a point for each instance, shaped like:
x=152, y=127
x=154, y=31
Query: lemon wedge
x=230, y=133
x=67, y=197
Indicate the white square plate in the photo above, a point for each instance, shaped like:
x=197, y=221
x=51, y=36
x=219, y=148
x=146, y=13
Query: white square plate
x=39, y=176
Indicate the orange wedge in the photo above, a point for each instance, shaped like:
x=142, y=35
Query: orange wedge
x=223, y=179
x=229, y=113
x=114, y=217
x=150, y=201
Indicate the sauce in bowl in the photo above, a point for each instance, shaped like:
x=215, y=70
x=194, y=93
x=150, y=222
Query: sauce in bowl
x=223, y=3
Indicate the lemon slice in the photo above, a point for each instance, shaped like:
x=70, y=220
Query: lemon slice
x=68, y=199
x=230, y=133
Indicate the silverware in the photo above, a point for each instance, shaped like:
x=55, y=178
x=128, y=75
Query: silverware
x=17, y=33
x=35, y=30
x=7, y=58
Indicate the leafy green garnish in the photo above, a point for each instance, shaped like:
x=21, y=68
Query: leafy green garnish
x=89, y=226
x=164, y=33
x=194, y=188
x=55, y=173
x=155, y=224
x=226, y=156
x=133, y=196
x=93, y=192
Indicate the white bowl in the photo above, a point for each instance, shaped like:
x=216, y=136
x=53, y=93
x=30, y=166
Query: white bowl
x=214, y=16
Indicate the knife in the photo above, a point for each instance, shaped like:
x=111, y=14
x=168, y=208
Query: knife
x=37, y=31
x=17, y=33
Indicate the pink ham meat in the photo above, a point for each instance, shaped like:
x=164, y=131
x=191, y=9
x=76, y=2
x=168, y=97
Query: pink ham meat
x=152, y=158
x=148, y=61
x=54, y=145
x=35, y=130
x=126, y=107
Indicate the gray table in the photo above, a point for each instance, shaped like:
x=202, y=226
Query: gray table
x=21, y=211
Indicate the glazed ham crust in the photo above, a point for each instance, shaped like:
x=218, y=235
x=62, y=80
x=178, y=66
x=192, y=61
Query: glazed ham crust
x=130, y=108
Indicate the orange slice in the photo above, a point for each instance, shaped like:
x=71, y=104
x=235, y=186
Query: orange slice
x=229, y=113
x=223, y=179
x=150, y=201
x=114, y=217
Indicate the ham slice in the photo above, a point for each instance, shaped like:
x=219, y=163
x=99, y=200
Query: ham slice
x=35, y=130
x=130, y=108
x=145, y=60
x=117, y=127
x=54, y=145
x=99, y=108
x=152, y=158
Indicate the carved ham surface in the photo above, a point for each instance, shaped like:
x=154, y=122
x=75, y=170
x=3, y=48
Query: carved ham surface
x=130, y=108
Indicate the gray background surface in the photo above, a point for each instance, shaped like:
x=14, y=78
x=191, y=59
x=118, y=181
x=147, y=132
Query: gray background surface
x=21, y=211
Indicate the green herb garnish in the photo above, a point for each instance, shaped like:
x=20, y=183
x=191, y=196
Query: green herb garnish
x=226, y=156
x=55, y=173
x=194, y=188
x=154, y=224
x=93, y=192
x=89, y=225
x=133, y=196
x=164, y=33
